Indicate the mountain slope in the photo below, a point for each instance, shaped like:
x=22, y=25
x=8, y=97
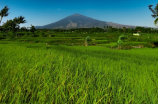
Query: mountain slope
x=80, y=21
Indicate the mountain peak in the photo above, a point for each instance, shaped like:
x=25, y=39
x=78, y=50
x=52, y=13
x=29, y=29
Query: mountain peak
x=76, y=14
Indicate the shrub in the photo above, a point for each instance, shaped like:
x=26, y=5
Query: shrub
x=88, y=38
x=121, y=39
x=155, y=44
x=10, y=35
x=35, y=35
x=43, y=34
x=2, y=35
x=20, y=34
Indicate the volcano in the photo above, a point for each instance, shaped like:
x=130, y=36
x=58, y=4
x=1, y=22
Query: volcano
x=81, y=21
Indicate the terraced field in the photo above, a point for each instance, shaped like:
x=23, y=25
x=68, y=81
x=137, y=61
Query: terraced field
x=67, y=71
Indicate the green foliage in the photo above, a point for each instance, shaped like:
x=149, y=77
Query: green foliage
x=43, y=34
x=121, y=39
x=4, y=12
x=11, y=35
x=2, y=35
x=155, y=13
x=124, y=29
x=119, y=42
x=28, y=34
x=19, y=34
x=88, y=38
x=12, y=25
x=32, y=29
x=9, y=26
x=23, y=29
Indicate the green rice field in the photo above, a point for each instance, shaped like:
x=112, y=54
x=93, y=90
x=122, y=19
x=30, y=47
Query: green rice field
x=34, y=73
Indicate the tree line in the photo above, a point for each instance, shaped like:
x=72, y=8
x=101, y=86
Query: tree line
x=109, y=29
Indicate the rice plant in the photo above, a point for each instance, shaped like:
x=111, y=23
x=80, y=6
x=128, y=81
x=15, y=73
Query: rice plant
x=35, y=73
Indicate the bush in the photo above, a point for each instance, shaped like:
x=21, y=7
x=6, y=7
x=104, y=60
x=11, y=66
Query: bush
x=43, y=34
x=138, y=39
x=20, y=34
x=121, y=39
x=35, y=35
x=2, y=36
x=10, y=35
x=88, y=38
x=155, y=43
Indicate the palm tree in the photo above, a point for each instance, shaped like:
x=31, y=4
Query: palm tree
x=32, y=29
x=9, y=25
x=4, y=13
x=19, y=20
x=13, y=24
x=155, y=13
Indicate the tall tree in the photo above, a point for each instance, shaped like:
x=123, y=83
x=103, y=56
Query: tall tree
x=155, y=13
x=129, y=30
x=124, y=29
x=9, y=25
x=110, y=29
x=4, y=12
x=19, y=20
x=23, y=29
x=13, y=24
x=105, y=28
x=32, y=29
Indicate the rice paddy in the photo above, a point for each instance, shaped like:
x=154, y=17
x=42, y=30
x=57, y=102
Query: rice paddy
x=61, y=74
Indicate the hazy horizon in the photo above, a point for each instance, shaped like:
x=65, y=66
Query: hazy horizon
x=39, y=12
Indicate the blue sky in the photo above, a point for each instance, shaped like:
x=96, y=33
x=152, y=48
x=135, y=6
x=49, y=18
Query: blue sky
x=43, y=12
